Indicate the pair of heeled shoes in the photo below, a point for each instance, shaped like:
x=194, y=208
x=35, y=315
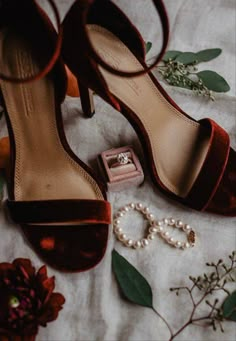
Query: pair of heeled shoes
x=58, y=201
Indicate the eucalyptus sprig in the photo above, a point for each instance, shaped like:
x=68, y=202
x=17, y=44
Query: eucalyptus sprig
x=180, y=69
x=136, y=289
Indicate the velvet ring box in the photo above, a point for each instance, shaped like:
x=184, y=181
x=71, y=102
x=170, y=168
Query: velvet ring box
x=121, y=168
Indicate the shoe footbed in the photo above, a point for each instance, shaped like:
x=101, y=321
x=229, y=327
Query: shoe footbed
x=179, y=144
x=43, y=169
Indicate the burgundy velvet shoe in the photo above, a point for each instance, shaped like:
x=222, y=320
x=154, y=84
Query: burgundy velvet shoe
x=58, y=201
x=190, y=161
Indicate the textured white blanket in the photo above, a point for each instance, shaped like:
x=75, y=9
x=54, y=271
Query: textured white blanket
x=94, y=309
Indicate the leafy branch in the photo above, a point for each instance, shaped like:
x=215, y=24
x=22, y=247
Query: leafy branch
x=136, y=289
x=180, y=69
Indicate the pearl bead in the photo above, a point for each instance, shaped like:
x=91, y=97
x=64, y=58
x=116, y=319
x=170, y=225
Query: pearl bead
x=178, y=244
x=159, y=223
x=150, y=236
x=171, y=240
x=179, y=223
x=146, y=210
x=116, y=222
x=160, y=229
x=166, y=221
x=150, y=216
x=126, y=209
x=132, y=205
x=119, y=214
x=171, y=221
x=137, y=244
x=145, y=242
x=122, y=237
x=118, y=230
x=186, y=245
x=153, y=230
x=129, y=242
x=165, y=234
x=139, y=206
x=187, y=228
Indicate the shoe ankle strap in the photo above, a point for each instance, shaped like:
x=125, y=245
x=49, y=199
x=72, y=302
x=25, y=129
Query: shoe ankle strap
x=56, y=54
x=161, y=10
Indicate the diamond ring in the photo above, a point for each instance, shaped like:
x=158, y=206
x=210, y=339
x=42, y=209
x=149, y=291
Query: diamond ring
x=122, y=159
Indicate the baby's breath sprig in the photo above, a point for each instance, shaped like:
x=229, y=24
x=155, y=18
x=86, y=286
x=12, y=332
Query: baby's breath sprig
x=180, y=69
x=217, y=280
x=178, y=74
x=203, y=289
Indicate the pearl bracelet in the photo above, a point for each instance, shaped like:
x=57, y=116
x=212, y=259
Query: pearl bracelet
x=155, y=227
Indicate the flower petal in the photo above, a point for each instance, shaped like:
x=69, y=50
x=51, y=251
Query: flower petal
x=51, y=309
x=48, y=287
x=26, y=264
x=5, y=268
x=42, y=274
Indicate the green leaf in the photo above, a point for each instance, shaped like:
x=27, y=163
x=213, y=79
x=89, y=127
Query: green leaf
x=186, y=58
x=213, y=81
x=148, y=46
x=170, y=55
x=207, y=55
x=132, y=284
x=229, y=307
x=202, y=56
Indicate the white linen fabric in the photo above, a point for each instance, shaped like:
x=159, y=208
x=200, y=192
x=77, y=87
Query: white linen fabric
x=94, y=308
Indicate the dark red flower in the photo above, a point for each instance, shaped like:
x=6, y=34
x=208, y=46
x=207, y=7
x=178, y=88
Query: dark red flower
x=27, y=300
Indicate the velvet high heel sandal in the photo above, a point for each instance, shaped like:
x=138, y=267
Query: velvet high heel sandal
x=190, y=161
x=59, y=203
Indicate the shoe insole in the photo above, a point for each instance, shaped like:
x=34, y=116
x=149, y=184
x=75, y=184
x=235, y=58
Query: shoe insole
x=179, y=145
x=43, y=169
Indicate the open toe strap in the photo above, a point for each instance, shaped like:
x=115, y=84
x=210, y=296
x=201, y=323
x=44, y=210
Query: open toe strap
x=60, y=211
x=213, y=167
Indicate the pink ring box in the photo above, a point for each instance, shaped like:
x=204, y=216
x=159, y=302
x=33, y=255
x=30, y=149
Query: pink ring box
x=121, y=172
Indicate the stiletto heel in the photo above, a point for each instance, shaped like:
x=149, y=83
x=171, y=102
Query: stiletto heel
x=190, y=161
x=86, y=97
